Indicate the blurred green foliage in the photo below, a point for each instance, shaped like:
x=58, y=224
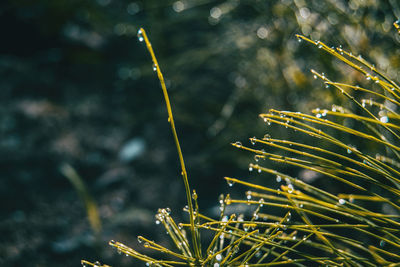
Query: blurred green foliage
x=77, y=87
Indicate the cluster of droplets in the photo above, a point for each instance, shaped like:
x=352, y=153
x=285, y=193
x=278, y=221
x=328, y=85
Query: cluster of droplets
x=268, y=121
x=249, y=226
x=366, y=101
x=121, y=247
x=162, y=213
x=321, y=113
x=255, y=166
x=221, y=201
x=140, y=35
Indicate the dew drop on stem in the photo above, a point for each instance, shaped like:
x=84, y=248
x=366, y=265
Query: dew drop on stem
x=238, y=144
x=230, y=183
x=384, y=119
x=253, y=140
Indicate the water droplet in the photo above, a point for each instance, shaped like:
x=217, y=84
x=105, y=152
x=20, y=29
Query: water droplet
x=154, y=67
x=384, y=119
x=290, y=188
x=158, y=222
x=299, y=39
x=382, y=243
x=139, y=239
x=230, y=183
x=342, y=201
x=140, y=35
x=348, y=151
x=363, y=103
x=250, y=169
x=218, y=257
x=255, y=215
x=97, y=264
x=315, y=76
x=221, y=199
x=368, y=77
x=318, y=115
x=238, y=144
x=253, y=140
x=259, y=170
x=278, y=178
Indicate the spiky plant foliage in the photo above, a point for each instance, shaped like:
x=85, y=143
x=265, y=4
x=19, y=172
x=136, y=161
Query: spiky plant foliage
x=296, y=223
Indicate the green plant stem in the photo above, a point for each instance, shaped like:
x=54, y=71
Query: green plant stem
x=178, y=147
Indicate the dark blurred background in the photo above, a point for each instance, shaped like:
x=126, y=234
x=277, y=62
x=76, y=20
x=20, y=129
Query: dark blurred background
x=77, y=88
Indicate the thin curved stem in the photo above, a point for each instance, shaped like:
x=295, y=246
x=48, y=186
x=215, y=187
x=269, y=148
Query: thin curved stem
x=143, y=37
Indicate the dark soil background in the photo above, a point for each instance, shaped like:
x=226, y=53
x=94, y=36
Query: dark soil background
x=77, y=88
